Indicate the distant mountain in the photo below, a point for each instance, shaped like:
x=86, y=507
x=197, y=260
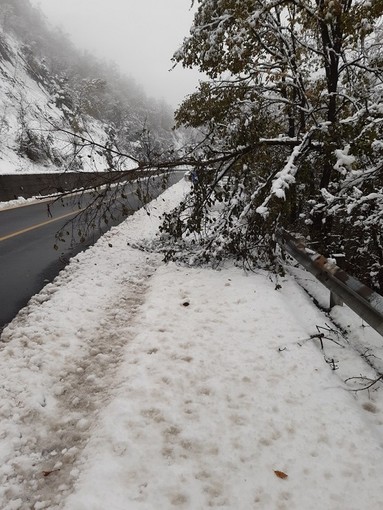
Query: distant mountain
x=54, y=98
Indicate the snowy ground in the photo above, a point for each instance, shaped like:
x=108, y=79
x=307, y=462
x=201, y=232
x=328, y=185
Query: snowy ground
x=129, y=384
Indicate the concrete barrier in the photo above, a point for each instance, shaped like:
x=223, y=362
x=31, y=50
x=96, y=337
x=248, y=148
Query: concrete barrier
x=29, y=185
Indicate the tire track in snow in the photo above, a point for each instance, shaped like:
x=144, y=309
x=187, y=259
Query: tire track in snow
x=41, y=471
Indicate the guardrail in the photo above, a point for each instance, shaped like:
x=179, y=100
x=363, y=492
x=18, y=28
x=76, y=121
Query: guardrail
x=361, y=299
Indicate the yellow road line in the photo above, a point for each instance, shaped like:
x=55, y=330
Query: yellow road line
x=33, y=227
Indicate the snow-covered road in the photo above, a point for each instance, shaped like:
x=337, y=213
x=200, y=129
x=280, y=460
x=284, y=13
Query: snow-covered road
x=129, y=384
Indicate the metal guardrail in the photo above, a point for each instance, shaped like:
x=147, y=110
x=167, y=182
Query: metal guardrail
x=361, y=299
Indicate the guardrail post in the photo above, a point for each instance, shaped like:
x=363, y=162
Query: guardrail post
x=335, y=300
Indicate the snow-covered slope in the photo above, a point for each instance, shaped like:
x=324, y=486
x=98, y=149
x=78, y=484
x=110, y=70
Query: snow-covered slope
x=32, y=112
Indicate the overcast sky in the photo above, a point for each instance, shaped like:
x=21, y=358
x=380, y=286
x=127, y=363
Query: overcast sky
x=139, y=35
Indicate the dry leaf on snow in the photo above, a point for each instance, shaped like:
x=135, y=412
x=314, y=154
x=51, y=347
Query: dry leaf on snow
x=280, y=474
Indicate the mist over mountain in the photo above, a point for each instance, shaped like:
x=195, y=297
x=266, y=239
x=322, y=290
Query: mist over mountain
x=54, y=98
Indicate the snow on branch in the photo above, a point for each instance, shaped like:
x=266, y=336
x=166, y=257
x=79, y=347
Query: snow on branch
x=285, y=177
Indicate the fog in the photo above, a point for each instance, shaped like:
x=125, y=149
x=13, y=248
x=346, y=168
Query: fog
x=139, y=35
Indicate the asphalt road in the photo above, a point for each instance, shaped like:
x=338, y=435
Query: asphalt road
x=31, y=253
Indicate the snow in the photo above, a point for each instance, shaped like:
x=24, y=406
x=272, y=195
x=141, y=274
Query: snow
x=18, y=202
x=27, y=105
x=22, y=202
x=284, y=178
x=128, y=383
x=344, y=159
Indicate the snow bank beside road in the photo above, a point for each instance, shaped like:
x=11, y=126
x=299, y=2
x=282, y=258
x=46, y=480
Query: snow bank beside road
x=130, y=384
x=60, y=353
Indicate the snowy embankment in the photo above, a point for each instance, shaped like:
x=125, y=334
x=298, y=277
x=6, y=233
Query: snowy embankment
x=30, y=118
x=130, y=384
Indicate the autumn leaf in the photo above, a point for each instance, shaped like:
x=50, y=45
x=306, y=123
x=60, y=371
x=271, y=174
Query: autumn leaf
x=280, y=474
x=47, y=473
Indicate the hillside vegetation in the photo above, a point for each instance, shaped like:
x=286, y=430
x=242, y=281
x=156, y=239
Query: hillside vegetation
x=48, y=87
